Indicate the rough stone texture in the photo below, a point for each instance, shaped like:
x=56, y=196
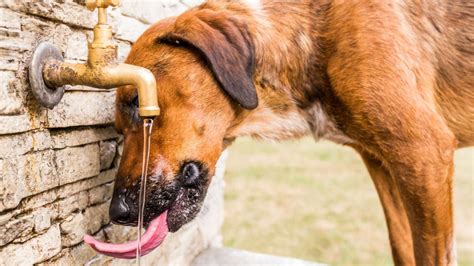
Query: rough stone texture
x=126, y=28
x=76, y=137
x=35, y=250
x=77, y=163
x=42, y=219
x=72, y=203
x=27, y=175
x=72, y=230
x=19, y=144
x=75, y=48
x=57, y=166
x=10, y=103
x=100, y=194
x=148, y=11
x=14, y=123
x=96, y=217
x=108, y=149
x=83, y=108
x=14, y=228
x=66, y=12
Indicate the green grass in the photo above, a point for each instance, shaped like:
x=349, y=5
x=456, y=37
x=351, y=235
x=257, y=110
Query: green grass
x=315, y=201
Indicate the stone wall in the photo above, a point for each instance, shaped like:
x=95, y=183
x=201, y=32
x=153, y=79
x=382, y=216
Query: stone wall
x=57, y=166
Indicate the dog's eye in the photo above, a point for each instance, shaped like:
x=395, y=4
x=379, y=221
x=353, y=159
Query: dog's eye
x=135, y=103
x=133, y=110
x=190, y=173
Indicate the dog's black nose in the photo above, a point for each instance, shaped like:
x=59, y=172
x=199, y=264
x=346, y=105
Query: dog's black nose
x=119, y=211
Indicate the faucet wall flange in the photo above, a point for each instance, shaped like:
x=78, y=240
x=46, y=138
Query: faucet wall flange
x=46, y=94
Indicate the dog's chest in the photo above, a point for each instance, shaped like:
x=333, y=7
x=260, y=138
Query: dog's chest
x=323, y=126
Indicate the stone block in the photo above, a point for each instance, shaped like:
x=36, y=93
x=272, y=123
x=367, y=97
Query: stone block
x=36, y=250
x=108, y=150
x=59, y=35
x=80, y=108
x=27, y=175
x=80, y=254
x=42, y=219
x=102, y=178
x=72, y=203
x=40, y=171
x=127, y=28
x=9, y=19
x=66, y=12
x=76, y=46
x=95, y=217
x=5, y=217
x=10, y=101
x=145, y=11
x=9, y=60
x=120, y=234
x=32, y=30
x=62, y=192
x=35, y=201
x=73, y=230
x=191, y=3
x=41, y=140
x=11, y=124
x=13, y=44
x=123, y=50
x=100, y=194
x=15, y=228
x=14, y=145
x=76, y=163
x=19, y=144
x=76, y=137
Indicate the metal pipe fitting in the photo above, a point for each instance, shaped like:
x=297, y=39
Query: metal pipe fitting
x=49, y=73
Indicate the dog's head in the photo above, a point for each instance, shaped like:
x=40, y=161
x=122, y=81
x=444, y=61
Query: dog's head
x=203, y=62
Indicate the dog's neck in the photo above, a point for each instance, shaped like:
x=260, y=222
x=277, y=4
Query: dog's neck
x=288, y=44
x=290, y=72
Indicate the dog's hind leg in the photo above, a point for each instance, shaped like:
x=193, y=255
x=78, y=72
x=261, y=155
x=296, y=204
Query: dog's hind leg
x=394, y=210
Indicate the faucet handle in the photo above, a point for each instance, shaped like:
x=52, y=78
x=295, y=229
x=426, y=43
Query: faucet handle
x=93, y=4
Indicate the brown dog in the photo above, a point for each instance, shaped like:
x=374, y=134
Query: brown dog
x=393, y=79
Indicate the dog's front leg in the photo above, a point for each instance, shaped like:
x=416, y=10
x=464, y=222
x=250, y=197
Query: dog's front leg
x=383, y=110
x=419, y=156
x=418, y=152
x=394, y=210
x=425, y=181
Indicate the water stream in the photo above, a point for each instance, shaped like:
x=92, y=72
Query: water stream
x=147, y=126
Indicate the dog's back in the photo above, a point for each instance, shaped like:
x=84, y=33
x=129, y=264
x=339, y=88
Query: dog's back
x=433, y=41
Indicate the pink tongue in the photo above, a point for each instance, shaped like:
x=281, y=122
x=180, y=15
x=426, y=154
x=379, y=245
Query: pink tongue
x=154, y=235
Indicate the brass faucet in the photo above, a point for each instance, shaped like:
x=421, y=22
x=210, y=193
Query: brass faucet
x=48, y=72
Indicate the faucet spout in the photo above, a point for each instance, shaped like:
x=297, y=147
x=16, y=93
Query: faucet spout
x=57, y=73
x=48, y=71
x=145, y=82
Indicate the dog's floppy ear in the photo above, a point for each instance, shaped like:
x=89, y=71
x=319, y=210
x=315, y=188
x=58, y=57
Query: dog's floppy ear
x=227, y=47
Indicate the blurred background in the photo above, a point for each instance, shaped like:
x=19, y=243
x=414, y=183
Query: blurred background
x=316, y=201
